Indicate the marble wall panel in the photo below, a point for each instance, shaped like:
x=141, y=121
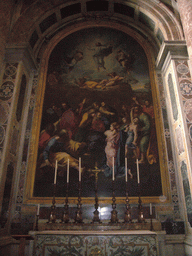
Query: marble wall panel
x=143, y=245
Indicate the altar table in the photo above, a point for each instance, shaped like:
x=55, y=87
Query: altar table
x=94, y=243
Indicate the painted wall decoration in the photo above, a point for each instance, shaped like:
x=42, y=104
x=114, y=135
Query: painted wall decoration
x=98, y=107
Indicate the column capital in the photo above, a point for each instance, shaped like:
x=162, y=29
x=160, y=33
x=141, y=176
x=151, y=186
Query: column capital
x=171, y=50
x=21, y=53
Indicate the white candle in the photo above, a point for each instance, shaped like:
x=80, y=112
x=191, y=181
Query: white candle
x=68, y=171
x=55, y=179
x=150, y=208
x=126, y=169
x=38, y=208
x=138, y=179
x=79, y=168
x=113, y=176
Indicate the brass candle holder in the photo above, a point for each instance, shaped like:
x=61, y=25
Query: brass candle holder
x=96, y=212
x=78, y=215
x=52, y=215
x=151, y=218
x=151, y=226
x=36, y=222
x=127, y=217
x=140, y=207
x=65, y=217
x=114, y=218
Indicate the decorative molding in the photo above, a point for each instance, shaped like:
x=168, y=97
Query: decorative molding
x=171, y=50
x=17, y=53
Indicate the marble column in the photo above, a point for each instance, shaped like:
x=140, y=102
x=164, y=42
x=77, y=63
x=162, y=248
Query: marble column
x=185, y=9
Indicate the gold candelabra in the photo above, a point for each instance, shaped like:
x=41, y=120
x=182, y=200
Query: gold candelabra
x=65, y=217
x=52, y=215
x=78, y=215
x=127, y=217
x=96, y=212
x=114, y=218
x=140, y=207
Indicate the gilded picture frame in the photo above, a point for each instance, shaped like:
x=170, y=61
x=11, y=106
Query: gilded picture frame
x=99, y=74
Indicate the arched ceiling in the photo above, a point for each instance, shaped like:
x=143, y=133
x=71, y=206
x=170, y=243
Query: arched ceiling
x=37, y=22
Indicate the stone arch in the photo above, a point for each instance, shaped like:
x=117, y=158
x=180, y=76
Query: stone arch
x=42, y=21
x=44, y=54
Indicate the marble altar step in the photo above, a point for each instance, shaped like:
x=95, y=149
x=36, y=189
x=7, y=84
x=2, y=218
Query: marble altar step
x=156, y=226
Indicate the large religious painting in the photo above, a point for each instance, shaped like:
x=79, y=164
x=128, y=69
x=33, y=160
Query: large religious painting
x=98, y=110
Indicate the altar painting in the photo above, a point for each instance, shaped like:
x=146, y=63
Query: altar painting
x=98, y=109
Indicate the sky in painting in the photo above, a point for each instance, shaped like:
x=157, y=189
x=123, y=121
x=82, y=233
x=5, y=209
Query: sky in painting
x=85, y=41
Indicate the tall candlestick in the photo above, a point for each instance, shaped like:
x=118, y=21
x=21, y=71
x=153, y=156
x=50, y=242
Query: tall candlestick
x=68, y=171
x=38, y=208
x=138, y=179
x=55, y=179
x=150, y=208
x=126, y=169
x=79, y=168
x=113, y=176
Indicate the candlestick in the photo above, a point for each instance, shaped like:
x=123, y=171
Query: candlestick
x=114, y=218
x=138, y=179
x=126, y=169
x=65, y=217
x=52, y=215
x=140, y=207
x=79, y=168
x=78, y=215
x=37, y=217
x=68, y=171
x=36, y=222
x=38, y=208
x=55, y=178
x=151, y=217
x=96, y=212
x=127, y=218
x=150, y=209
x=113, y=176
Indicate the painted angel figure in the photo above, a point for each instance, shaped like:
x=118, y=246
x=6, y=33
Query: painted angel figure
x=125, y=60
x=101, y=51
x=72, y=61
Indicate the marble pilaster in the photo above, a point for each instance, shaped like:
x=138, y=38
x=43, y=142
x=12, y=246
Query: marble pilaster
x=185, y=9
